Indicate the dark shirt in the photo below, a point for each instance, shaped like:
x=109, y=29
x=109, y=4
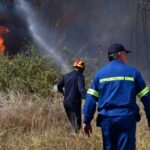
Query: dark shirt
x=74, y=88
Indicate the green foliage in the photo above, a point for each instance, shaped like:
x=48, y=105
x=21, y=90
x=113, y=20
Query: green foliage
x=28, y=73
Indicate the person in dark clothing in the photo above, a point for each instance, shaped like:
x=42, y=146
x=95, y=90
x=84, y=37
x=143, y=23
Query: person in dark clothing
x=74, y=91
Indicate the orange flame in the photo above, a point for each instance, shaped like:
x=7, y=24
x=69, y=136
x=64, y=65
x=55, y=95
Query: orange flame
x=2, y=45
x=3, y=32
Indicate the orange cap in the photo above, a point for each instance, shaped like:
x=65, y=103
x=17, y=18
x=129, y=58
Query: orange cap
x=79, y=63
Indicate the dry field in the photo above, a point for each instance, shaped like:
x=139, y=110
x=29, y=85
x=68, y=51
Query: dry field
x=31, y=123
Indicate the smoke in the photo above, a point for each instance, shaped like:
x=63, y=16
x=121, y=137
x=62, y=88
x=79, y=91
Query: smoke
x=106, y=20
x=41, y=35
x=101, y=22
x=83, y=26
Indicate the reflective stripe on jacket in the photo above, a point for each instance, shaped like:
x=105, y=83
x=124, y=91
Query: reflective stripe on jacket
x=115, y=88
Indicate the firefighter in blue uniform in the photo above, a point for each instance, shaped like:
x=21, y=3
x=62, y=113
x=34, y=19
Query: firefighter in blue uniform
x=114, y=88
x=74, y=91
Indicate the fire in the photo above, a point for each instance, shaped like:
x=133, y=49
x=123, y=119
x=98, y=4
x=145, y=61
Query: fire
x=2, y=45
x=3, y=32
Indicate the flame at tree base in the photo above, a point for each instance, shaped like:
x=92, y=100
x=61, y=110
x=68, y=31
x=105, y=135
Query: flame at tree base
x=2, y=45
x=3, y=32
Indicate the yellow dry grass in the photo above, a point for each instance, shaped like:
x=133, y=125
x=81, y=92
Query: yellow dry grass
x=26, y=124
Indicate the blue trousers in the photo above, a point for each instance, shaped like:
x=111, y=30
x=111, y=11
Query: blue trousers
x=119, y=132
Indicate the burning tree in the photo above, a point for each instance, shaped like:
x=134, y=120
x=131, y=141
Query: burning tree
x=3, y=31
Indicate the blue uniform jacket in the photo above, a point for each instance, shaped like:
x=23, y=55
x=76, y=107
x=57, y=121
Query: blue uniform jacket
x=115, y=88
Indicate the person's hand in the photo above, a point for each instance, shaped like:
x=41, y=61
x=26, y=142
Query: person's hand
x=87, y=129
x=148, y=121
x=138, y=117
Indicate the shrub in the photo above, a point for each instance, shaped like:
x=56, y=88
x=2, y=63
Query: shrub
x=28, y=73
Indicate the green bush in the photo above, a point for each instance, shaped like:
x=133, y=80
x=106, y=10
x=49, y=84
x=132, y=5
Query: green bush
x=28, y=73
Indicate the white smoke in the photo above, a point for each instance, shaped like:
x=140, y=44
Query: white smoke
x=41, y=35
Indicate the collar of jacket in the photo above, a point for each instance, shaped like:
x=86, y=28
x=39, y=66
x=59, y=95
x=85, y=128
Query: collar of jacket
x=78, y=71
x=116, y=62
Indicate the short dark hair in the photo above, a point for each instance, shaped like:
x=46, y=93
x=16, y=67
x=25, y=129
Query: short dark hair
x=79, y=68
x=113, y=56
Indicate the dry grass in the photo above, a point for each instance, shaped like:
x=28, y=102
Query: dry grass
x=26, y=124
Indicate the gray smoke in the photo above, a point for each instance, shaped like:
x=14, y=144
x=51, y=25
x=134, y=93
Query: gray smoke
x=88, y=27
x=41, y=36
x=100, y=22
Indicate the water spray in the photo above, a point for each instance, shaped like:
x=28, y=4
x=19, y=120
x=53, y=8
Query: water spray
x=39, y=33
